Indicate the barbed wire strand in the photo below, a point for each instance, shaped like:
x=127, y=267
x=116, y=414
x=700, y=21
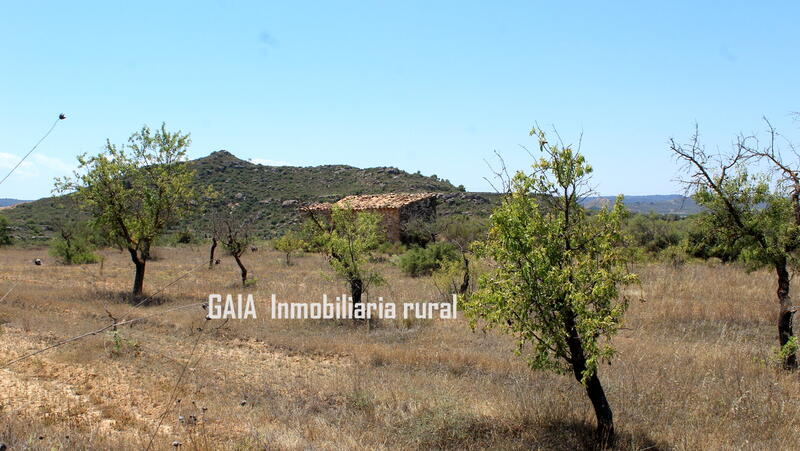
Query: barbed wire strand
x=95, y=332
x=60, y=117
x=9, y=291
x=114, y=324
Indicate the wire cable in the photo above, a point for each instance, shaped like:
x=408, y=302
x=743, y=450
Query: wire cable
x=61, y=117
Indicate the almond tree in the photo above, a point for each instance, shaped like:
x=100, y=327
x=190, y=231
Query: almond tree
x=289, y=243
x=755, y=212
x=349, y=240
x=555, y=273
x=135, y=191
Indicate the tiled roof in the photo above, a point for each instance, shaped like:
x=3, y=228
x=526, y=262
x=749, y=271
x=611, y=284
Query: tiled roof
x=372, y=201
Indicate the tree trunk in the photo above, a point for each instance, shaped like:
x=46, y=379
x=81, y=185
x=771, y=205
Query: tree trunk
x=356, y=290
x=465, y=283
x=242, y=268
x=211, y=253
x=785, y=315
x=288, y=263
x=602, y=410
x=594, y=389
x=138, y=278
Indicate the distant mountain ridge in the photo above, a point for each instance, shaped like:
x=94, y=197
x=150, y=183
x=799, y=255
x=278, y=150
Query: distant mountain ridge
x=663, y=204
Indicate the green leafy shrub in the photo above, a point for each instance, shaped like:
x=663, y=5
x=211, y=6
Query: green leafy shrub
x=784, y=352
x=289, y=243
x=422, y=261
x=73, y=245
x=654, y=233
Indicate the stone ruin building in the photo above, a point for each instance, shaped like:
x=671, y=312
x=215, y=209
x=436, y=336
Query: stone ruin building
x=400, y=211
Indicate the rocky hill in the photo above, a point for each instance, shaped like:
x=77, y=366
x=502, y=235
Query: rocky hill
x=274, y=192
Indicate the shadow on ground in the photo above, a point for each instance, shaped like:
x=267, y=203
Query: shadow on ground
x=549, y=434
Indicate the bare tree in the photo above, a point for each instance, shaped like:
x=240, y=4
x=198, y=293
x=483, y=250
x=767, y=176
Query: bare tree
x=233, y=229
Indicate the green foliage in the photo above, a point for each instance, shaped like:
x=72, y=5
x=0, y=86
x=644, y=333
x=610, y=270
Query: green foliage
x=392, y=248
x=349, y=240
x=705, y=242
x=448, y=279
x=73, y=245
x=418, y=231
x=758, y=215
x=120, y=346
x=654, y=233
x=5, y=232
x=289, y=243
x=422, y=261
x=763, y=229
x=311, y=236
x=134, y=192
x=264, y=189
x=787, y=350
x=556, y=271
x=461, y=230
x=790, y=348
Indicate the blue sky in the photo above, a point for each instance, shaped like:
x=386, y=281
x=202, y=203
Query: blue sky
x=430, y=86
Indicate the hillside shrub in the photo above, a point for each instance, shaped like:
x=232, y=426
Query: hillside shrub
x=423, y=261
x=654, y=233
x=73, y=246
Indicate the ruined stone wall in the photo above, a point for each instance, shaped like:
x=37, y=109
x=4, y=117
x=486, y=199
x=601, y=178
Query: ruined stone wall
x=391, y=222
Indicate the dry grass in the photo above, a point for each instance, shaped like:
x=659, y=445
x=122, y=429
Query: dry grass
x=693, y=370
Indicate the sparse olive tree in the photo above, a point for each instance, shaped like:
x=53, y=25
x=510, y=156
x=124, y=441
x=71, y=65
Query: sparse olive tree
x=135, y=191
x=754, y=213
x=555, y=273
x=349, y=240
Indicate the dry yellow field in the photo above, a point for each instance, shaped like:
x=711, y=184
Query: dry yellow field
x=694, y=367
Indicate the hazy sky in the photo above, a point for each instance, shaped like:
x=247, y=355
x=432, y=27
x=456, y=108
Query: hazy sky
x=432, y=86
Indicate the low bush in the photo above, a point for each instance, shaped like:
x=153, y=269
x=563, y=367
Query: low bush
x=73, y=246
x=423, y=261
